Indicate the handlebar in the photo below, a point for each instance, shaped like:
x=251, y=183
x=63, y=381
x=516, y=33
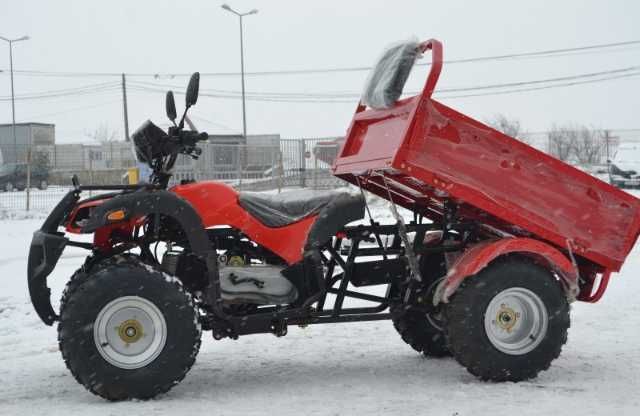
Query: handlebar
x=160, y=149
x=190, y=137
x=186, y=141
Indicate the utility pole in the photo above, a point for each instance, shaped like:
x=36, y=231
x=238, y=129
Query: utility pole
x=607, y=141
x=13, y=103
x=124, y=107
x=244, y=111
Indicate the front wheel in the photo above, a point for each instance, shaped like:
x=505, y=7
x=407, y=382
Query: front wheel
x=508, y=322
x=127, y=331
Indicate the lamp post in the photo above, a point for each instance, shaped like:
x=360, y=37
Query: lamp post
x=240, y=16
x=13, y=104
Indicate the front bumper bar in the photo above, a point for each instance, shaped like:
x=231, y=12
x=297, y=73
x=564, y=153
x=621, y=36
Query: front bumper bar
x=46, y=247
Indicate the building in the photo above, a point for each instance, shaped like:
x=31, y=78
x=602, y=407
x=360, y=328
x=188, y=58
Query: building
x=225, y=157
x=99, y=156
x=27, y=134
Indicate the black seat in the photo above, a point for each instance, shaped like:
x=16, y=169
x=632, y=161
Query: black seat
x=288, y=207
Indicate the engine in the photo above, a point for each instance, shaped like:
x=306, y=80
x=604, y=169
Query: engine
x=243, y=280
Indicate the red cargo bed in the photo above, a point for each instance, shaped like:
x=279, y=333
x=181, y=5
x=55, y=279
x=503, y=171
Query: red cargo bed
x=424, y=153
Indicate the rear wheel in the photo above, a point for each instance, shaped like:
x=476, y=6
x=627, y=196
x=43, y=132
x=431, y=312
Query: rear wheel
x=424, y=332
x=508, y=322
x=127, y=331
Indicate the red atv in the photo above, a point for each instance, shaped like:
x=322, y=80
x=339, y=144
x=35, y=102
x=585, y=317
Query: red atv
x=503, y=238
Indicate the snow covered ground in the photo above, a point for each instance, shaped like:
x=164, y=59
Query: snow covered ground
x=347, y=369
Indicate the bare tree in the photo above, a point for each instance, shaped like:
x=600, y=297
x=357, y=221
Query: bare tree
x=102, y=134
x=509, y=126
x=588, y=146
x=106, y=137
x=561, y=141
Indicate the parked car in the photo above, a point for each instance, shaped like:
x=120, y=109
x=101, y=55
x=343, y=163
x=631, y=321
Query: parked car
x=625, y=166
x=624, y=178
x=14, y=176
x=600, y=171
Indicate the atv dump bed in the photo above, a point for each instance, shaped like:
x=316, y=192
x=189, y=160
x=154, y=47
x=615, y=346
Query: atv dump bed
x=421, y=153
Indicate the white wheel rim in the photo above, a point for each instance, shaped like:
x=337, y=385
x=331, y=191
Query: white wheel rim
x=516, y=321
x=130, y=332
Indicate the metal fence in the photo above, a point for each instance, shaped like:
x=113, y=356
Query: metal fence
x=275, y=165
x=48, y=169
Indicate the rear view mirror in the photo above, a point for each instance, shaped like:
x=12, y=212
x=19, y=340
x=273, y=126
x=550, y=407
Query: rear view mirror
x=192, y=89
x=171, y=106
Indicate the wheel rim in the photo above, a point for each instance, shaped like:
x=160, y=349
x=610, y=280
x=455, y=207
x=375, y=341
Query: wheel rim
x=516, y=321
x=130, y=332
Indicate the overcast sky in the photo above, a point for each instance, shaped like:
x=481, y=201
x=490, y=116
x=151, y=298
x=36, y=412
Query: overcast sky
x=161, y=36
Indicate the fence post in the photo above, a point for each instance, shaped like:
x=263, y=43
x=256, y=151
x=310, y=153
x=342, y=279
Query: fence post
x=274, y=165
x=239, y=157
x=90, y=170
x=303, y=163
x=315, y=170
x=28, y=176
x=280, y=171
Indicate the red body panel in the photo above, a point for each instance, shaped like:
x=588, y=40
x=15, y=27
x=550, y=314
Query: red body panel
x=425, y=152
x=217, y=204
x=479, y=256
x=71, y=226
x=103, y=238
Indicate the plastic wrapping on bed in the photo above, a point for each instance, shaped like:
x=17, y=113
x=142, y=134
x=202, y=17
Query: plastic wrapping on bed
x=387, y=78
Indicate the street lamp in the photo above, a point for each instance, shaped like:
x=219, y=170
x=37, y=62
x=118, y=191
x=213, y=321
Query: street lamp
x=13, y=104
x=244, y=111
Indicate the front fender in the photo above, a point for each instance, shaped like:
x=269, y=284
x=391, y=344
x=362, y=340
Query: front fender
x=480, y=255
x=142, y=203
x=160, y=202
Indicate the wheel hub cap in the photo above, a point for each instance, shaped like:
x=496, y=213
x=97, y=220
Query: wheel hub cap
x=516, y=321
x=130, y=332
x=507, y=318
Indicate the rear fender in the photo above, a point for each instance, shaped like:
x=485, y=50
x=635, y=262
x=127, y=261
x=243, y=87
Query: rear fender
x=481, y=255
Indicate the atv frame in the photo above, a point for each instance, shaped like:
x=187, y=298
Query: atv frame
x=390, y=270
x=388, y=266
